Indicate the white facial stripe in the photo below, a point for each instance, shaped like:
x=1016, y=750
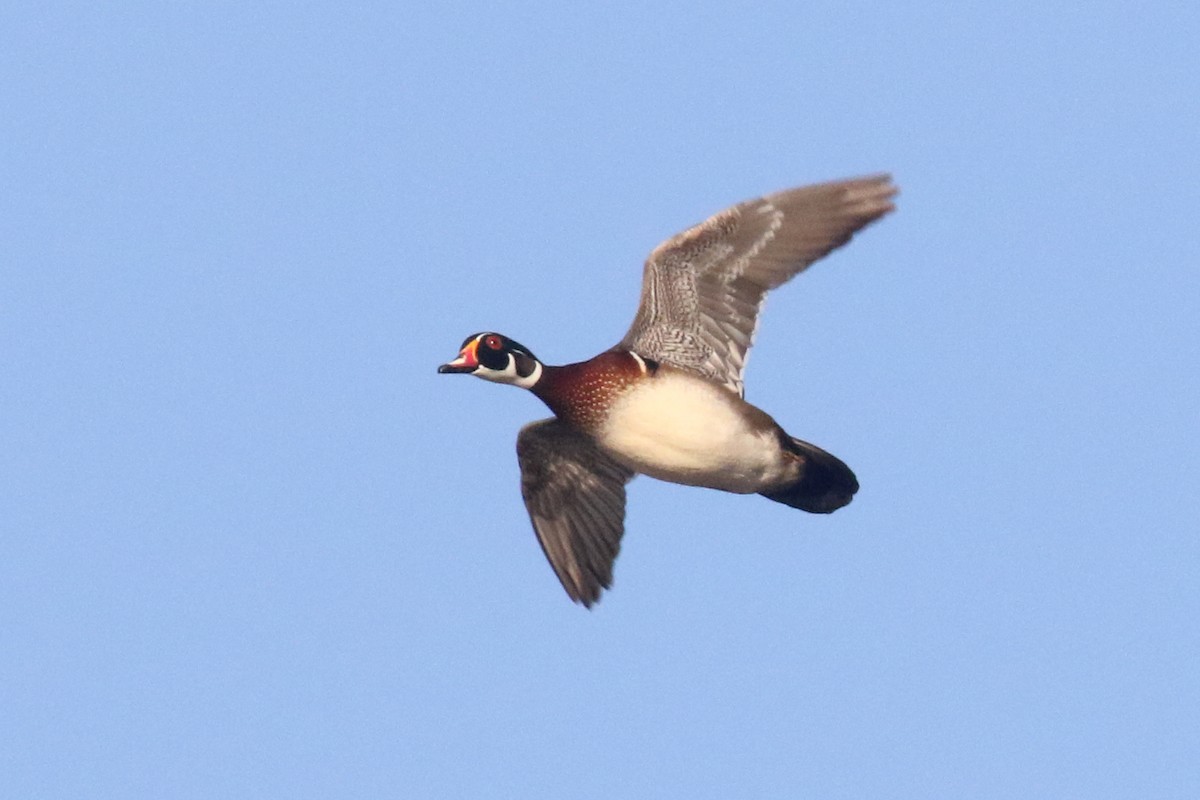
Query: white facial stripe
x=524, y=383
x=509, y=374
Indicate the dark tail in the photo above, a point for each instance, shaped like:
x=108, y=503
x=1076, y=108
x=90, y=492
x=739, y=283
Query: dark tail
x=825, y=483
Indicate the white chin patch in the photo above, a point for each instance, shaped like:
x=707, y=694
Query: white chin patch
x=496, y=376
x=509, y=374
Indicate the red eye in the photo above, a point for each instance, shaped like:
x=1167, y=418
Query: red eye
x=493, y=342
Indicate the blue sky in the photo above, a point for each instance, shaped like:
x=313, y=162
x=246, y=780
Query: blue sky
x=251, y=545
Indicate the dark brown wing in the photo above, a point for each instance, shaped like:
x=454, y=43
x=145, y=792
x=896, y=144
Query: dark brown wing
x=702, y=289
x=575, y=494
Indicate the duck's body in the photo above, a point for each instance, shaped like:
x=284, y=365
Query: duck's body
x=677, y=427
x=673, y=425
x=667, y=423
x=667, y=401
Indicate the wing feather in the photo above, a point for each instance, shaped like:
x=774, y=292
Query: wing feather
x=703, y=289
x=575, y=495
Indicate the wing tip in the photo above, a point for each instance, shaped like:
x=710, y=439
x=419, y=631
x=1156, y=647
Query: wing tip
x=586, y=593
x=866, y=197
x=870, y=195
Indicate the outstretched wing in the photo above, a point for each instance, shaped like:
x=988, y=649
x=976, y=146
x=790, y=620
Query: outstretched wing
x=702, y=289
x=575, y=494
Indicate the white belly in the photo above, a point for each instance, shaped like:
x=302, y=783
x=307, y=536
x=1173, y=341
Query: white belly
x=682, y=429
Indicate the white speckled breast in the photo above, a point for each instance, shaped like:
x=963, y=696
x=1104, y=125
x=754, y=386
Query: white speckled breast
x=681, y=428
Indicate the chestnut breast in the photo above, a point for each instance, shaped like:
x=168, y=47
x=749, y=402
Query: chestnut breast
x=583, y=393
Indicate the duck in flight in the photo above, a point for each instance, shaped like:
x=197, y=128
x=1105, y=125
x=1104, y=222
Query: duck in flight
x=668, y=400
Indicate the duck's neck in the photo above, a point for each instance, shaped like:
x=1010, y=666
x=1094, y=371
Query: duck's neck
x=548, y=385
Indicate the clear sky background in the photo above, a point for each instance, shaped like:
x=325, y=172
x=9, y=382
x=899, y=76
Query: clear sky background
x=251, y=545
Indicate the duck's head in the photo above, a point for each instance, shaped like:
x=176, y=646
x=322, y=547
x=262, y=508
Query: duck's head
x=495, y=357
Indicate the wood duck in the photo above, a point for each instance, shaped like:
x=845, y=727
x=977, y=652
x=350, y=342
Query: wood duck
x=667, y=401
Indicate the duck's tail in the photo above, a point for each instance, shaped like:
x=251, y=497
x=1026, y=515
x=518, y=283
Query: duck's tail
x=824, y=485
